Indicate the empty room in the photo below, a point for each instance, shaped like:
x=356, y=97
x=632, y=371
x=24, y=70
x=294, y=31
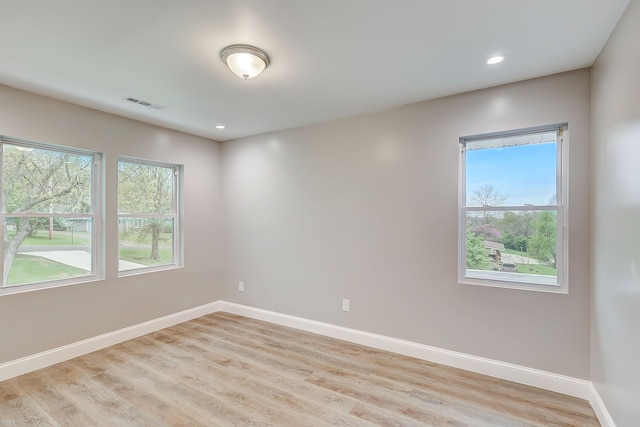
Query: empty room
x=311, y=213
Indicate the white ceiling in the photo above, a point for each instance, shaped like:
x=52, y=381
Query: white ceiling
x=330, y=58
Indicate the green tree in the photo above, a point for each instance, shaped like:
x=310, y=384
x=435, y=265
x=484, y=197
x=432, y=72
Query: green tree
x=518, y=243
x=477, y=255
x=146, y=190
x=543, y=243
x=38, y=181
x=519, y=224
x=51, y=224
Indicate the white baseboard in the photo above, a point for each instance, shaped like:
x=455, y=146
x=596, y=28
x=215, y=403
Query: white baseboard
x=600, y=409
x=60, y=354
x=507, y=371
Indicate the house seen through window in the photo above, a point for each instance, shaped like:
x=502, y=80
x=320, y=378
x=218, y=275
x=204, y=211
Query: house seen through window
x=512, y=209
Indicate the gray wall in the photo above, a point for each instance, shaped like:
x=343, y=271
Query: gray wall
x=616, y=221
x=36, y=321
x=366, y=209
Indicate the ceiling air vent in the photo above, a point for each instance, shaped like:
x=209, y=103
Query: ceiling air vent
x=145, y=103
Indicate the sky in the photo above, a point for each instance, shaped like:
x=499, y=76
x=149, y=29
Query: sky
x=524, y=173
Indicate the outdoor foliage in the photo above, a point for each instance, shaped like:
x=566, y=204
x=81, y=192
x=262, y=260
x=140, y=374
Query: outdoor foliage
x=44, y=181
x=517, y=243
x=543, y=243
x=145, y=190
x=517, y=224
x=477, y=255
x=486, y=231
x=531, y=233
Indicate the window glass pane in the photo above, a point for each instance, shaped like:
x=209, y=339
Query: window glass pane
x=144, y=189
x=41, y=249
x=511, y=176
x=518, y=246
x=145, y=242
x=45, y=181
x=37, y=182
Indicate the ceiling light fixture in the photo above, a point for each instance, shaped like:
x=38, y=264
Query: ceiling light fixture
x=495, y=60
x=245, y=61
x=219, y=126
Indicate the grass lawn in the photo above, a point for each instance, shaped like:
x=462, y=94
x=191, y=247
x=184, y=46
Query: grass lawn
x=536, y=269
x=33, y=269
x=164, y=239
x=80, y=238
x=141, y=256
x=531, y=268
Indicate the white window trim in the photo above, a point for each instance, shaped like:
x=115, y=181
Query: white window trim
x=176, y=216
x=562, y=173
x=97, y=195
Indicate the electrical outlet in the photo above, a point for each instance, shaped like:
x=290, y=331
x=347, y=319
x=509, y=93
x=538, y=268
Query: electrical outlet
x=240, y=286
x=346, y=305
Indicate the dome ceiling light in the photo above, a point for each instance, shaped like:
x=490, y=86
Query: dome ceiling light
x=245, y=61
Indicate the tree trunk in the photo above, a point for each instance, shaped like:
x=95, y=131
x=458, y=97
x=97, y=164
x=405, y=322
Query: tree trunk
x=23, y=229
x=155, y=239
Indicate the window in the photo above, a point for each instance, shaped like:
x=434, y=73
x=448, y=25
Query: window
x=49, y=214
x=148, y=221
x=513, y=209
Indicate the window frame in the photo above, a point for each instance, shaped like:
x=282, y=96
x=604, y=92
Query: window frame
x=97, y=194
x=561, y=207
x=176, y=216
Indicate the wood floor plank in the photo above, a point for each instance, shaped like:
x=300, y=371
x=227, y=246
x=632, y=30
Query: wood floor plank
x=45, y=395
x=22, y=411
x=213, y=387
x=7, y=392
x=98, y=402
x=232, y=347
x=228, y=370
x=287, y=345
x=253, y=387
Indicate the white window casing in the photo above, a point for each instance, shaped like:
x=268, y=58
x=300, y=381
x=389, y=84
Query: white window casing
x=87, y=258
x=131, y=212
x=488, y=276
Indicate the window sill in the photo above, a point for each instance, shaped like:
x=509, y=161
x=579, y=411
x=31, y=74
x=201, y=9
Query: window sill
x=19, y=289
x=137, y=271
x=528, y=282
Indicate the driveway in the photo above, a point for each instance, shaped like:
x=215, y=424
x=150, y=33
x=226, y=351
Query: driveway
x=78, y=259
x=518, y=259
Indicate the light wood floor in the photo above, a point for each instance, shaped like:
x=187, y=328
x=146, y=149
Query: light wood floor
x=224, y=369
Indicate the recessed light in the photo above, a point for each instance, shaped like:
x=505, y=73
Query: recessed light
x=220, y=127
x=495, y=60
